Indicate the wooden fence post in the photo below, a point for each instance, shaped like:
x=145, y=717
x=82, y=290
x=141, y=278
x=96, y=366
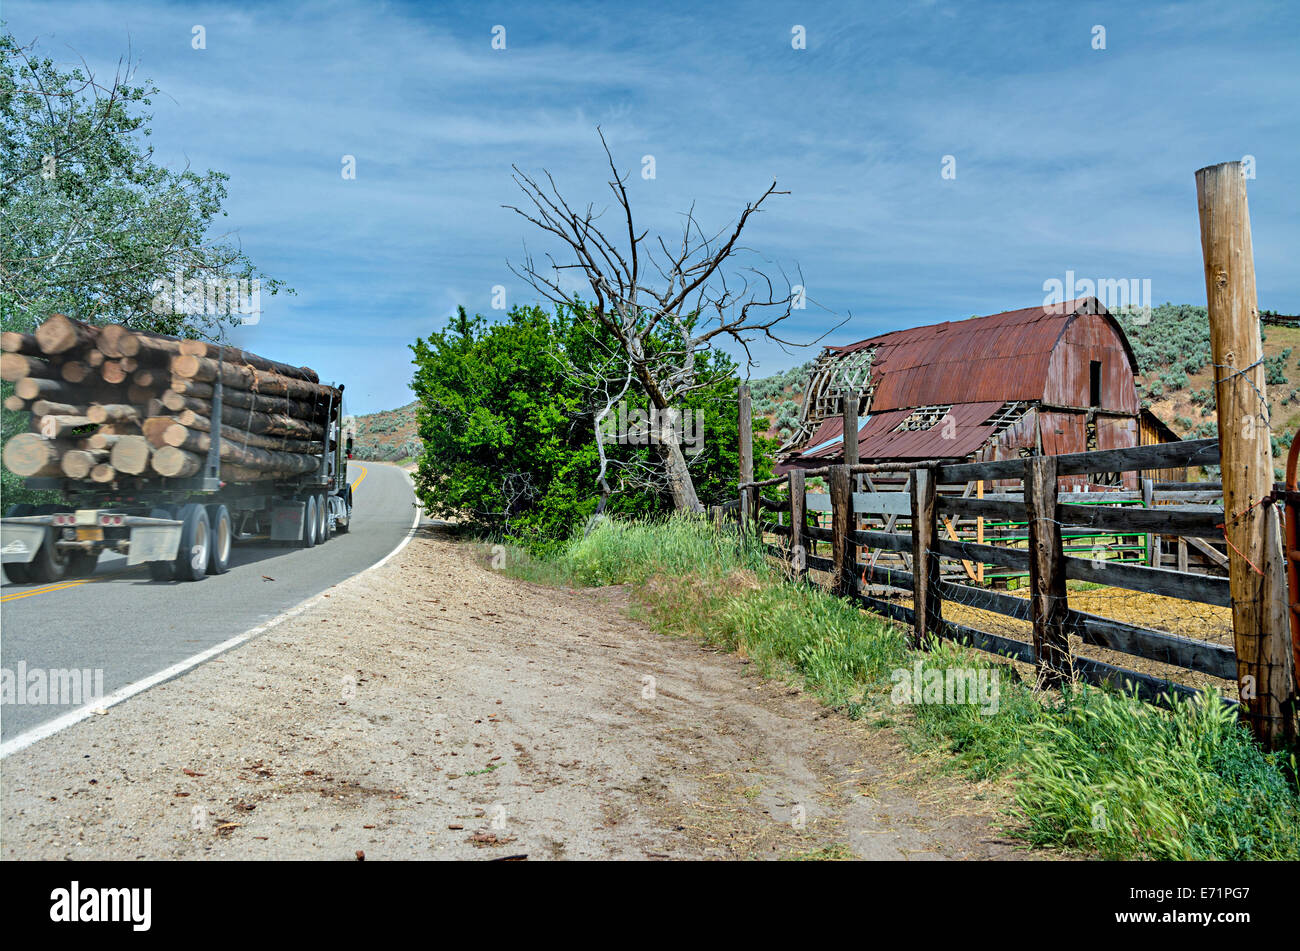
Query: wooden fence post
x=1260, y=629
x=927, y=605
x=841, y=488
x=1153, y=540
x=850, y=440
x=1046, y=571
x=798, y=519
x=850, y=428
x=746, y=427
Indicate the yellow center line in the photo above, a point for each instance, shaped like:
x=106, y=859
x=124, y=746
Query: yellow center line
x=364, y=470
x=45, y=590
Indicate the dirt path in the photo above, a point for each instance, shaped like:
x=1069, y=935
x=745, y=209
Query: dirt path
x=434, y=708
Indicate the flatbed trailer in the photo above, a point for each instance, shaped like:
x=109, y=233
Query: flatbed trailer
x=181, y=528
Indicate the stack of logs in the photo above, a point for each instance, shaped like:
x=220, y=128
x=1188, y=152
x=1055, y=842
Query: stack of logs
x=110, y=405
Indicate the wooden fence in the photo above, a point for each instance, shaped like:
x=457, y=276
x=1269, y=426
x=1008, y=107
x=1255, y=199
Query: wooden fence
x=918, y=513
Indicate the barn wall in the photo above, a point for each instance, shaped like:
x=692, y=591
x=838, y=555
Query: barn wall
x=1152, y=435
x=1091, y=337
x=1119, y=433
x=1063, y=432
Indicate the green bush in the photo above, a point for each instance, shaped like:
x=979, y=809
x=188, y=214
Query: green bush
x=508, y=435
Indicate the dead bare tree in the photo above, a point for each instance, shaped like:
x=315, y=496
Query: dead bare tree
x=663, y=306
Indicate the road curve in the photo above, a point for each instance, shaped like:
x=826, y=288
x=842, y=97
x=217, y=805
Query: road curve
x=131, y=627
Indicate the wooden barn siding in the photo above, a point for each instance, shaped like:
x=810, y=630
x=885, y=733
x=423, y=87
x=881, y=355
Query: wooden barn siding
x=1090, y=337
x=1149, y=435
x=1115, y=432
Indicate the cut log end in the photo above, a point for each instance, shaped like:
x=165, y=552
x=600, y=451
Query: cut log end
x=29, y=454
x=174, y=463
x=60, y=334
x=131, y=455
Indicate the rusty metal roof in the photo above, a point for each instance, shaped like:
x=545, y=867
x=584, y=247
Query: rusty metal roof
x=879, y=438
x=999, y=358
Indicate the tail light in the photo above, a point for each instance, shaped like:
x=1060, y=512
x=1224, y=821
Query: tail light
x=111, y=520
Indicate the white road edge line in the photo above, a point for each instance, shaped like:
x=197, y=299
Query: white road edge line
x=60, y=723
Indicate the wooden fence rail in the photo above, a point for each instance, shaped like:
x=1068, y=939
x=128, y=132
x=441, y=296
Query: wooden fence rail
x=1047, y=512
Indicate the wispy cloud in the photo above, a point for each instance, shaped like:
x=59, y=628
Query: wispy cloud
x=1067, y=157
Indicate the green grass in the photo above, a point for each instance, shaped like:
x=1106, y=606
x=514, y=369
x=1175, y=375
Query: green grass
x=1093, y=771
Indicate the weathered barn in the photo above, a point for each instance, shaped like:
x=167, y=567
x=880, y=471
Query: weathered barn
x=1043, y=380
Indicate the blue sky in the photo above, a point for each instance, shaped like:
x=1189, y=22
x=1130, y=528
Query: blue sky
x=1067, y=158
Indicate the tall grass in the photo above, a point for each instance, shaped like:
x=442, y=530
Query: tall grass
x=1093, y=770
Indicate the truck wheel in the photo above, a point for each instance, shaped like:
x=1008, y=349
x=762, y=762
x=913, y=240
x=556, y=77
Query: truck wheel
x=310, y=524
x=81, y=564
x=18, y=572
x=323, y=526
x=196, y=543
x=48, y=566
x=162, y=570
x=222, y=536
x=344, y=521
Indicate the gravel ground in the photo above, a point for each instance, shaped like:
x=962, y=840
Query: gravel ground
x=434, y=708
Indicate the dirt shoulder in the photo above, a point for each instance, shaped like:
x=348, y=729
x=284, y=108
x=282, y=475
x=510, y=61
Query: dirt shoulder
x=433, y=708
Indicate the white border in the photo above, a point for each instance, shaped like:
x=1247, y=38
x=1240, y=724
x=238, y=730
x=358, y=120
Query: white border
x=60, y=723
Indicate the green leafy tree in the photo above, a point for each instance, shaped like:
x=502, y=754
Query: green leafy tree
x=88, y=222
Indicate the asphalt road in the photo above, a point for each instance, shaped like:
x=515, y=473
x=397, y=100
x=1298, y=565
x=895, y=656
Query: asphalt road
x=131, y=627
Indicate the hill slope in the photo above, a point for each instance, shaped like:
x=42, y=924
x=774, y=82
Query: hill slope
x=388, y=436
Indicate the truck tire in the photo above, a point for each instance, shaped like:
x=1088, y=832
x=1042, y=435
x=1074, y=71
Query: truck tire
x=323, y=524
x=81, y=564
x=18, y=572
x=161, y=570
x=48, y=566
x=222, y=539
x=196, y=543
x=310, y=523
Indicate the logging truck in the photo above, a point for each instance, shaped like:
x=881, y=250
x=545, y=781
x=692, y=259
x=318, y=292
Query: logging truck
x=182, y=450
x=180, y=528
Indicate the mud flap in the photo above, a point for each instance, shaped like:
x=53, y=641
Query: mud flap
x=153, y=543
x=20, y=542
x=287, y=520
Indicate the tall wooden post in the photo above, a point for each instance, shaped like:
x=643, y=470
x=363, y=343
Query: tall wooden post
x=798, y=520
x=850, y=418
x=927, y=607
x=746, y=427
x=1259, y=623
x=851, y=427
x=841, y=486
x=1046, y=571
